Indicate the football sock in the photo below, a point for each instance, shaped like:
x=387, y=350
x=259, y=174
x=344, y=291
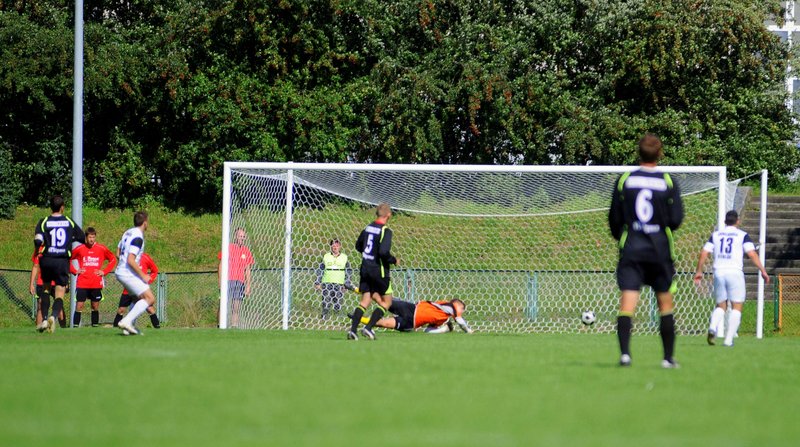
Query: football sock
x=76, y=319
x=95, y=317
x=58, y=306
x=154, y=321
x=716, y=317
x=667, y=328
x=137, y=310
x=62, y=322
x=733, y=325
x=624, y=327
x=117, y=319
x=357, y=314
x=44, y=305
x=377, y=314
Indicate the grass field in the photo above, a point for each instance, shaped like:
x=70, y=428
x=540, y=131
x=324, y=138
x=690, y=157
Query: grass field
x=92, y=387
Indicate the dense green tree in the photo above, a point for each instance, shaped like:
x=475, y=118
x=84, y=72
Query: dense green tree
x=173, y=89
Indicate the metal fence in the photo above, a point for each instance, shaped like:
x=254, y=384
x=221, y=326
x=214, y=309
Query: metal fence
x=183, y=299
x=787, y=308
x=191, y=300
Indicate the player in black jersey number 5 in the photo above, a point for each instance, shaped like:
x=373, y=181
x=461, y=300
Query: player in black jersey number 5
x=375, y=244
x=645, y=209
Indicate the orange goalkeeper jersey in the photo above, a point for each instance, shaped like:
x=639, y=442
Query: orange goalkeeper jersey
x=433, y=313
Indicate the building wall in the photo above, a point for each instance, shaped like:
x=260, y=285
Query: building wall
x=789, y=32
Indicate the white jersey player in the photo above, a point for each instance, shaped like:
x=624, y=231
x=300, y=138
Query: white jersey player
x=130, y=274
x=728, y=246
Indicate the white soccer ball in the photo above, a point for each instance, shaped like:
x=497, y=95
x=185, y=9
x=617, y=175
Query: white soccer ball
x=588, y=317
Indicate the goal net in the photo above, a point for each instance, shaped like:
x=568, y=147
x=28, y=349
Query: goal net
x=527, y=248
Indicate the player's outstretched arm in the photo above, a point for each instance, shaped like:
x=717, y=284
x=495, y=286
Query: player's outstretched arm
x=754, y=257
x=462, y=323
x=698, y=273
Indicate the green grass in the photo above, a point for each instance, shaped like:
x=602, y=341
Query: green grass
x=305, y=388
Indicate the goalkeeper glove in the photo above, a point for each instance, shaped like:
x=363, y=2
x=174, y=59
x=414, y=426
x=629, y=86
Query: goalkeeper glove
x=463, y=324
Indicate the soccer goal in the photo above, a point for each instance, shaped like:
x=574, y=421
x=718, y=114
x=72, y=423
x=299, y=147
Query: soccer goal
x=526, y=247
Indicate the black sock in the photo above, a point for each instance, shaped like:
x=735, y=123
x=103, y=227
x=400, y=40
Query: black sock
x=154, y=321
x=44, y=305
x=58, y=306
x=95, y=317
x=357, y=314
x=667, y=328
x=377, y=314
x=76, y=319
x=624, y=327
x=62, y=322
x=117, y=319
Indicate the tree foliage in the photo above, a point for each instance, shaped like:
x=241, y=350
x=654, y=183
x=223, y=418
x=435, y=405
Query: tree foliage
x=172, y=90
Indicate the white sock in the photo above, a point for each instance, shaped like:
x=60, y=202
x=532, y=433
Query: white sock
x=138, y=308
x=733, y=325
x=716, y=318
x=721, y=326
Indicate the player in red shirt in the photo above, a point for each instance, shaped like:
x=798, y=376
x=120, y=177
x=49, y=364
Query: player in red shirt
x=89, y=267
x=150, y=268
x=435, y=315
x=240, y=263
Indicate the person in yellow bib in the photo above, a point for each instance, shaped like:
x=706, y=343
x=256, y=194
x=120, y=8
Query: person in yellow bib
x=333, y=277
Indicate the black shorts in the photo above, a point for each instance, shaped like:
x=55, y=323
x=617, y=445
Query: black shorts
x=126, y=299
x=94, y=295
x=404, y=314
x=235, y=290
x=632, y=274
x=54, y=269
x=371, y=281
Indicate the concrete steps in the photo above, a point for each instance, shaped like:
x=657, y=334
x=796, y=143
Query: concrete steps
x=782, y=248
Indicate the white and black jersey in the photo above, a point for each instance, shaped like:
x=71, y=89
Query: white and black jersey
x=132, y=242
x=729, y=246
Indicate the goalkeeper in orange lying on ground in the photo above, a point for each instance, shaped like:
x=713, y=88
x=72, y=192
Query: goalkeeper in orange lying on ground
x=433, y=314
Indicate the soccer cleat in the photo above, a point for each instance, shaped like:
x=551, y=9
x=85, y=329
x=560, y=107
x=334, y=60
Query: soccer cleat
x=710, y=338
x=670, y=364
x=42, y=326
x=129, y=328
x=368, y=333
x=352, y=335
x=727, y=345
x=624, y=360
x=51, y=325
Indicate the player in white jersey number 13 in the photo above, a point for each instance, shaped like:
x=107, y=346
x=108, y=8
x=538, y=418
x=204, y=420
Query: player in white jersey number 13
x=728, y=246
x=128, y=272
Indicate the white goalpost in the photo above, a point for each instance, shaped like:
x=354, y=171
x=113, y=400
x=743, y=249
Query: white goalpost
x=526, y=247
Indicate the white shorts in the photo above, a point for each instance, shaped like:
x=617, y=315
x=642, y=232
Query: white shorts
x=132, y=283
x=729, y=286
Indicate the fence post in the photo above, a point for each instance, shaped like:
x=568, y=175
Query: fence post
x=161, y=296
x=532, y=309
